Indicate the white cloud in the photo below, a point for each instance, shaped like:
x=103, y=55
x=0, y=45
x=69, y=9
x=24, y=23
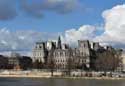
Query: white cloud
x=24, y=40
x=113, y=29
x=21, y=40
x=114, y=26
x=114, y=33
x=84, y=32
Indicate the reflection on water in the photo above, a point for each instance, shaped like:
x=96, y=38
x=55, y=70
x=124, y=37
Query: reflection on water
x=58, y=82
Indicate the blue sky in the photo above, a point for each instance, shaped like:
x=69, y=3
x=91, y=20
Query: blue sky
x=89, y=13
x=28, y=21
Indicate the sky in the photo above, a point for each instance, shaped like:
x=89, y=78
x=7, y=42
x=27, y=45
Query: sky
x=23, y=22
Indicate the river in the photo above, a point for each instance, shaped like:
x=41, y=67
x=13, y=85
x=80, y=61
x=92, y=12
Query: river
x=58, y=82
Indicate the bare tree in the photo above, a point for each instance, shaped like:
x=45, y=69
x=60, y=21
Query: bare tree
x=35, y=64
x=3, y=62
x=51, y=62
x=26, y=62
x=70, y=63
x=69, y=66
x=108, y=60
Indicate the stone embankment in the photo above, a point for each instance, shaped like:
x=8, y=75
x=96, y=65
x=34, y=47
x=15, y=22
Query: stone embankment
x=59, y=75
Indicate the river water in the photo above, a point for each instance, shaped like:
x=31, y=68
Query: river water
x=58, y=82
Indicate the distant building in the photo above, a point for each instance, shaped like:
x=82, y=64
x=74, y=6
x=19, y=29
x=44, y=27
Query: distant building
x=14, y=61
x=3, y=62
x=17, y=62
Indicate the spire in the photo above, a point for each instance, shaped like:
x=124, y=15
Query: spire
x=59, y=45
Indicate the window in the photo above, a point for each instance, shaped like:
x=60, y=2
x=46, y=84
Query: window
x=63, y=53
x=59, y=54
x=40, y=47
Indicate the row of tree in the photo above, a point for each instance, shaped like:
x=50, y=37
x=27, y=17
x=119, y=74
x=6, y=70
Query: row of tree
x=24, y=62
x=109, y=60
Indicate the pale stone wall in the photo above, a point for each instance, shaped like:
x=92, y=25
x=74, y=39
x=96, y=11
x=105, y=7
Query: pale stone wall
x=123, y=55
x=38, y=52
x=60, y=58
x=61, y=53
x=38, y=55
x=84, y=49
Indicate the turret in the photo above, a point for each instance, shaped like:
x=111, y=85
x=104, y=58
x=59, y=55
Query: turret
x=59, y=44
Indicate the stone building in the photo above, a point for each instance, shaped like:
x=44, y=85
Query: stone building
x=60, y=53
x=49, y=45
x=123, y=55
x=60, y=58
x=39, y=52
x=14, y=61
x=96, y=46
x=83, y=56
x=84, y=52
x=18, y=62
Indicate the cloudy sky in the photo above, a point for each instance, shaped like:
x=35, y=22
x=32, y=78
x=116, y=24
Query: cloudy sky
x=23, y=22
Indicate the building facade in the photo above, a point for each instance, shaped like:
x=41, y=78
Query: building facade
x=60, y=53
x=82, y=57
x=84, y=52
x=39, y=52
